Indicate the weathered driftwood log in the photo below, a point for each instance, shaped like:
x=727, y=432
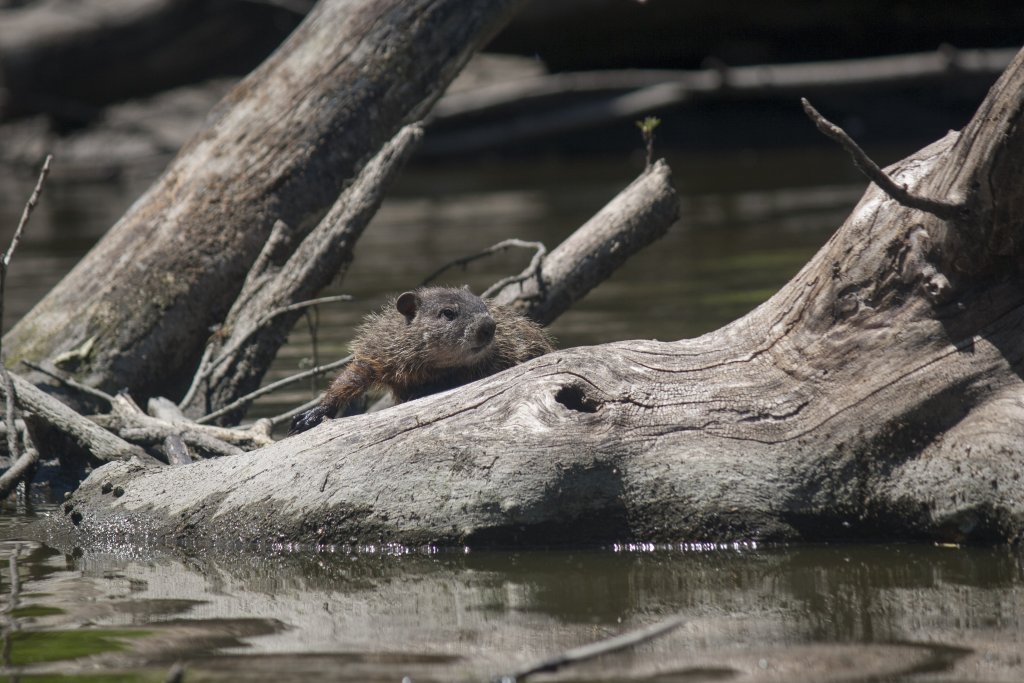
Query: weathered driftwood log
x=280, y=146
x=853, y=402
x=48, y=411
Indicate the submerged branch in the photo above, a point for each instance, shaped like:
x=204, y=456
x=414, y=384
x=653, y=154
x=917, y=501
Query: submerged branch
x=602, y=647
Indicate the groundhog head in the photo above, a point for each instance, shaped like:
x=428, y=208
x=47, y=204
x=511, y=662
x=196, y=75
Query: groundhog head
x=452, y=326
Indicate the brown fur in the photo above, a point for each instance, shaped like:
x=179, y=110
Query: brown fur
x=427, y=341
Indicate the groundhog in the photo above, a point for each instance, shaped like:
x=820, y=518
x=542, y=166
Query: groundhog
x=426, y=341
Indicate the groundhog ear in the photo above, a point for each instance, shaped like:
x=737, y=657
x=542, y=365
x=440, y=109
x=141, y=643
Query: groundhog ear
x=407, y=303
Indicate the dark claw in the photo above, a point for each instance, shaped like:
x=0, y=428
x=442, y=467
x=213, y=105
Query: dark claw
x=309, y=419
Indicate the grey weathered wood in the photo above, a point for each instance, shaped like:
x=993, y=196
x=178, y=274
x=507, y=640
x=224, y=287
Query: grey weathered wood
x=639, y=215
x=176, y=450
x=127, y=421
x=18, y=470
x=100, y=443
x=280, y=146
x=850, y=403
x=325, y=253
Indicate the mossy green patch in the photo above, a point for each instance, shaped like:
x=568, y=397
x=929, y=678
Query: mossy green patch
x=31, y=647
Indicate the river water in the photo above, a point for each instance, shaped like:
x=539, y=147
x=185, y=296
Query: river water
x=747, y=612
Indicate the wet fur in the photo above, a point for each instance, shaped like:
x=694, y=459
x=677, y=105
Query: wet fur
x=416, y=355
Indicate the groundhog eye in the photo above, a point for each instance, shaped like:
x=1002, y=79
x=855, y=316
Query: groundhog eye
x=448, y=313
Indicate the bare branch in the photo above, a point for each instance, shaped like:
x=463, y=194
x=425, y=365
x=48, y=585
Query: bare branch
x=937, y=207
x=273, y=386
x=16, y=472
x=70, y=382
x=202, y=372
x=228, y=353
x=504, y=245
x=153, y=434
x=522, y=109
x=9, y=402
x=5, y=262
x=637, y=216
x=27, y=212
x=602, y=647
x=100, y=443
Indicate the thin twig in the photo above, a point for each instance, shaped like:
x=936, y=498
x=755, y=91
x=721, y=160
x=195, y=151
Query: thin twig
x=30, y=206
x=229, y=352
x=280, y=235
x=5, y=262
x=273, y=386
x=202, y=371
x=602, y=647
x=532, y=271
x=69, y=382
x=937, y=207
x=499, y=247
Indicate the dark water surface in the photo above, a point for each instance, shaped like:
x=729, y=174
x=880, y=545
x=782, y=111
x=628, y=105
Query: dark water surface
x=821, y=613
x=815, y=613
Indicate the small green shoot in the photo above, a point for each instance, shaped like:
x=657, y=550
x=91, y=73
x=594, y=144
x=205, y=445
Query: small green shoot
x=647, y=127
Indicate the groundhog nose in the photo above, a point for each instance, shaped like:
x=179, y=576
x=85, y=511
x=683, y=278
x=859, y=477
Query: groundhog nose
x=485, y=332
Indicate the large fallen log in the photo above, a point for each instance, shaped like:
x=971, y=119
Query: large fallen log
x=878, y=393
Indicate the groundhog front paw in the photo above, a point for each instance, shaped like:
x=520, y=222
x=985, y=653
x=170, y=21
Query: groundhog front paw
x=309, y=419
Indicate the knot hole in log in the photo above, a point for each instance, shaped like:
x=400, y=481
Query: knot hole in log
x=574, y=397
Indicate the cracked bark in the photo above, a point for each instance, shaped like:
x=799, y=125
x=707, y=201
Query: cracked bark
x=852, y=403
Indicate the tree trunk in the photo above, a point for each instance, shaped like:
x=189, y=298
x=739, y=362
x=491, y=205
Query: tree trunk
x=253, y=330
x=878, y=394
x=280, y=146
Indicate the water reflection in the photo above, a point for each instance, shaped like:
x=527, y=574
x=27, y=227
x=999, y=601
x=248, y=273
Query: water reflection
x=809, y=613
